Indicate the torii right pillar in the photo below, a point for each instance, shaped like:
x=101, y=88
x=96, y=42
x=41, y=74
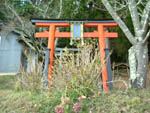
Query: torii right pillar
x=106, y=66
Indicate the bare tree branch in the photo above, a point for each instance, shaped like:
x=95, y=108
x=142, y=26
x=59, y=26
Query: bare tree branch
x=60, y=9
x=27, y=41
x=139, y=2
x=48, y=7
x=147, y=36
x=22, y=26
x=119, y=21
x=35, y=6
x=145, y=18
x=59, y=15
x=119, y=5
x=140, y=11
x=134, y=16
x=14, y=12
x=100, y=9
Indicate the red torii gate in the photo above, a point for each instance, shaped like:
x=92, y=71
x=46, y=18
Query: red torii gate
x=101, y=34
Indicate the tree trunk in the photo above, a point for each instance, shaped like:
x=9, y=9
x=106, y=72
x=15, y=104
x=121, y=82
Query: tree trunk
x=138, y=61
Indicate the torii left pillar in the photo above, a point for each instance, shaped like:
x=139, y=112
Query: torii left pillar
x=51, y=46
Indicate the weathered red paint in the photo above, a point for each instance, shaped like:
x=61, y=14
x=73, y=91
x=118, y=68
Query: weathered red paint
x=51, y=45
x=68, y=34
x=100, y=34
x=102, y=46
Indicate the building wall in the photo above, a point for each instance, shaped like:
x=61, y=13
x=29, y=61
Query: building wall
x=10, y=53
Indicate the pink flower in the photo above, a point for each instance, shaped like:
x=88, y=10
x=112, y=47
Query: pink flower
x=90, y=112
x=59, y=109
x=81, y=98
x=65, y=100
x=77, y=107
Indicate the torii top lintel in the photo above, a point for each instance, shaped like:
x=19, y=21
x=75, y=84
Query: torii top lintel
x=66, y=22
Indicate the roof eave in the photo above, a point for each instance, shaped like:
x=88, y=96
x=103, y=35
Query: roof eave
x=36, y=20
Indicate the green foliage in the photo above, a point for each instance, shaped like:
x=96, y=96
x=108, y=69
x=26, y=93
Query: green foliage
x=81, y=9
x=2, y=12
x=2, y=17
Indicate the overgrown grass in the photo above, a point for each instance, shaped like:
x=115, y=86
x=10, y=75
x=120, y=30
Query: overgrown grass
x=30, y=80
x=6, y=82
x=75, y=89
x=79, y=72
x=133, y=101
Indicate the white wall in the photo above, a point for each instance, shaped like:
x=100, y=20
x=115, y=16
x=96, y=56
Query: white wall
x=10, y=53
